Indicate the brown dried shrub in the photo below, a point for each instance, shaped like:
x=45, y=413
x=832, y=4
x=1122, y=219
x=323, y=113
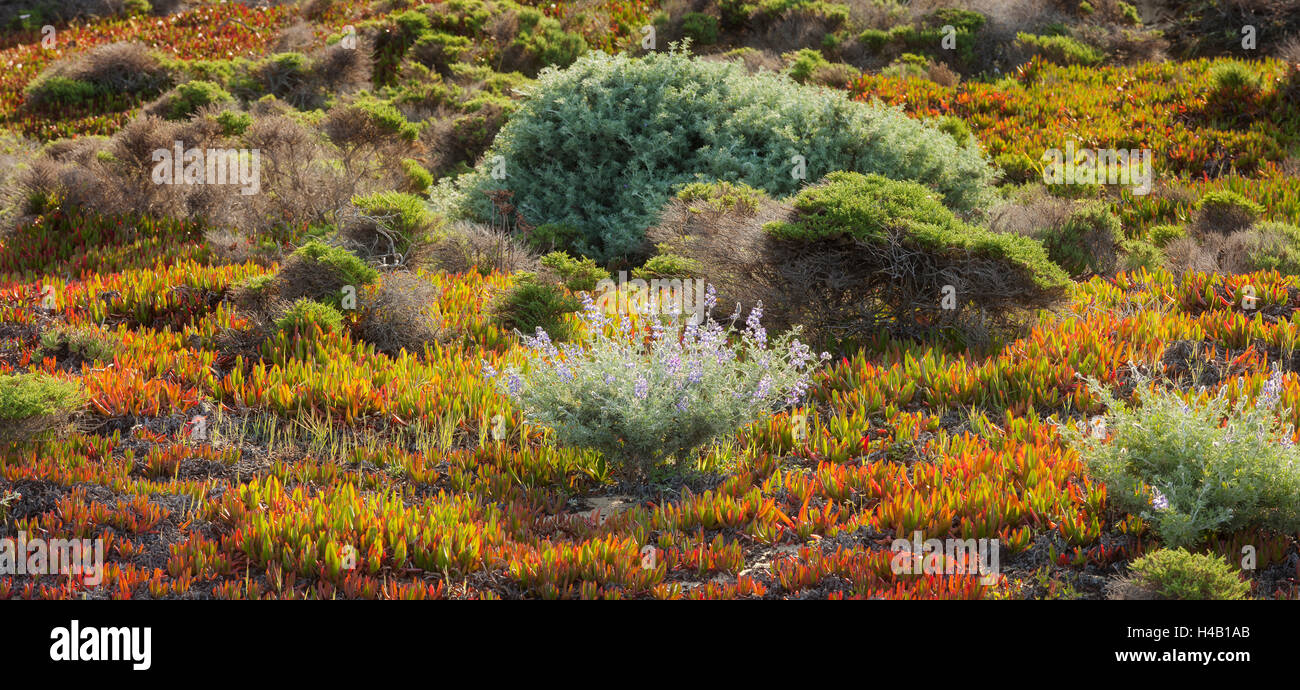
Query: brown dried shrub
x=397, y=314
x=463, y=246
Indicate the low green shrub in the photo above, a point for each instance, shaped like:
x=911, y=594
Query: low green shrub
x=1162, y=235
x=419, y=179
x=1225, y=212
x=33, y=404
x=1196, y=469
x=1229, y=78
x=344, y=264
x=580, y=274
x=1139, y=254
x=1062, y=50
x=187, y=98
x=531, y=304
x=701, y=28
x=305, y=316
x=805, y=62
x=1087, y=242
x=234, y=122
x=1177, y=574
x=668, y=265
x=60, y=91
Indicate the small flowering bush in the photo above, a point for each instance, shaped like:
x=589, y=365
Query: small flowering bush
x=640, y=400
x=1193, y=470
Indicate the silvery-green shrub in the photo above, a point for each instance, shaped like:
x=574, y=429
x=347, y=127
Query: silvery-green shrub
x=602, y=145
x=1193, y=470
x=640, y=402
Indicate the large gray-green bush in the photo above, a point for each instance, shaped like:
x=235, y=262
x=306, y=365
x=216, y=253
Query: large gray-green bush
x=602, y=145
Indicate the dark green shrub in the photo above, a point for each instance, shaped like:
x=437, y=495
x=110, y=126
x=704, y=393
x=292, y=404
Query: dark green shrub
x=531, y=304
x=420, y=179
x=1087, y=242
x=342, y=263
x=701, y=28
x=60, y=91
x=1177, y=574
x=1017, y=167
x=542, y=42
x=1139, y=254
x=601, y=145
x=321, y=272
x=558, y=236
x=438, y=50
x=404, y=215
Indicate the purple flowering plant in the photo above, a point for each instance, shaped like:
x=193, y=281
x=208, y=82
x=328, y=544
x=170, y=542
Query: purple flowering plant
x=641, y=398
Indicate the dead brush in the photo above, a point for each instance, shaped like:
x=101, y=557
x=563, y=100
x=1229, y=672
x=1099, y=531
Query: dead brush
x=397, y=314
x=464, y=246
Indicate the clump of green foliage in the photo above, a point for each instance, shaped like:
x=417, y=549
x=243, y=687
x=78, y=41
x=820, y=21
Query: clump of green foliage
x=1192, y=470
x=668, y=265
x=192, y=95
x=419, y=178
x=234, y=122
x=723, y=196
x=1162, y=235
x=61, y=91
x=1086, y=242
x=1063, y=50
x=531, y=304
x=1231, y=77
x=602, y=145
x=307, y=315
x=1178, y=574
x=343, y=263
x=33, y=404
x=581, y=274
x=805, y=62
x=927, y=36
x=1140, y=254
x=1225, y=212
x=701, y=28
